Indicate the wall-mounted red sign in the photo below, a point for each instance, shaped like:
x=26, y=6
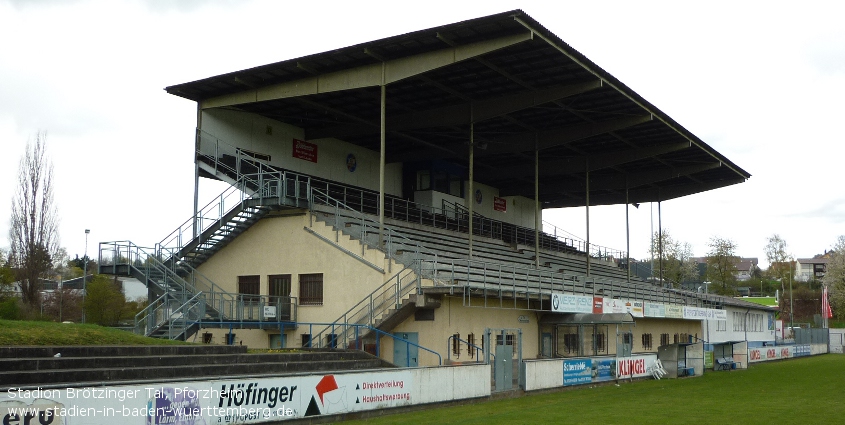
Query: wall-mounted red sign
x=304, y=150
x=500, y=204
x=598, y=305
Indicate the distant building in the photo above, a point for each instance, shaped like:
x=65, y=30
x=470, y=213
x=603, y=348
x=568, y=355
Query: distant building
x=807, y=269
x=746, y=267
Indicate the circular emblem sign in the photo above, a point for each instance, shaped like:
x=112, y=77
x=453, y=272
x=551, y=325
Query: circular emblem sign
x=351, y=163
x=478, y=196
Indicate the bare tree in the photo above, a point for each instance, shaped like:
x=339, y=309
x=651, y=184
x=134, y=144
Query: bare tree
x=678, y=265
x=780, y=261
x=34, y=225
x=721, y=264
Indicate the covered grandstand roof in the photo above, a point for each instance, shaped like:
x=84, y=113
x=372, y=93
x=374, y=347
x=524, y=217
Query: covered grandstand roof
x=521, y=86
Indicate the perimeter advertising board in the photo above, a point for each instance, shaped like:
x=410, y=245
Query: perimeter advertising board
x=776, y=353
x=588, y=370
x=239, y=400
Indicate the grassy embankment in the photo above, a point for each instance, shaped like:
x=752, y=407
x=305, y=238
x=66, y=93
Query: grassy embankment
x=19, y=332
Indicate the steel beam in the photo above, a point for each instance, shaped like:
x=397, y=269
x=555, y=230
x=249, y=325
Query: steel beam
x=371, y=75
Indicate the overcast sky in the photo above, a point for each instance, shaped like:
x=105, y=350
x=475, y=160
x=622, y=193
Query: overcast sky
x=761, y=82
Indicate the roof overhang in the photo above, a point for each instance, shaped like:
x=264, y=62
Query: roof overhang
x=521, y=89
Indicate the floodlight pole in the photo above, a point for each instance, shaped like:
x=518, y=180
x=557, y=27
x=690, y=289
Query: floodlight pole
x=85, y=274
x=791, y=311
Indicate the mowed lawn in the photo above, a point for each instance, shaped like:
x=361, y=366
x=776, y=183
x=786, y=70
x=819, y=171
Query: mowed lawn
x=799, y=391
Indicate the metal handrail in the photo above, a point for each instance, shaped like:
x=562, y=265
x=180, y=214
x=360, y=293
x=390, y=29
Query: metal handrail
x=390, y=294
x=369, y=226
x=410, y=211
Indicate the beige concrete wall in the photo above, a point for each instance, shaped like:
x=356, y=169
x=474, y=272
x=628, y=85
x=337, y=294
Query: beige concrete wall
x=250, y=131
x=280, y=245
x=520, y=210
x=660, y=326
x=452, y=317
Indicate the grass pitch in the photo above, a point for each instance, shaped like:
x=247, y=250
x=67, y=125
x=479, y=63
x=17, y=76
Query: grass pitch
x=804, y=391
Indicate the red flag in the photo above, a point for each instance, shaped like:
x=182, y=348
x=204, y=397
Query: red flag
x=826, y=313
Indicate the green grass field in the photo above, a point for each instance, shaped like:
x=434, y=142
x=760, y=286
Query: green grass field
x=20, y=332
x=799, y=391
x=769, y=301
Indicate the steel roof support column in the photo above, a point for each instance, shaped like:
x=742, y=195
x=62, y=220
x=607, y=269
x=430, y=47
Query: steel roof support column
x=627, y=233
x=536, y=206
x=471, y=200
x=197, y=142
x=659, y=239
x=381, y=163
x=588, y=215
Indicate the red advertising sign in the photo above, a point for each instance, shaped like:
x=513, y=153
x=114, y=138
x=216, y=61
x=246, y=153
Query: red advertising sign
x=304, y=150
x=500, y=204
x=598, y=305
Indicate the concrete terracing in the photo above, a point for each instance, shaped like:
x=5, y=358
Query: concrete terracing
x=27, y=367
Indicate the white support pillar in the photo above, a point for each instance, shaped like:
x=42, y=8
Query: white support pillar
x=471, y=200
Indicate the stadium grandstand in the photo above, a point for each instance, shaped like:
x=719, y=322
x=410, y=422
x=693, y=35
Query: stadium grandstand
x=388, y=197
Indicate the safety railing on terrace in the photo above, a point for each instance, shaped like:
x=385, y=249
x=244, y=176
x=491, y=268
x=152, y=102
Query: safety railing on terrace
x=519, y=287
x=514, y=286
x=369, y=310
x=369, y=229
x=281, y=187
x=182, y=282
x=565, y=239
x=236, y=162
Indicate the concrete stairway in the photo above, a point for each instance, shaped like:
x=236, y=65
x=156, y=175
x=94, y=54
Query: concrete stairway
x=28, y=367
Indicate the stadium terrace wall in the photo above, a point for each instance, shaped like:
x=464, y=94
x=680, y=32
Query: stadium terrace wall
x=243, y=400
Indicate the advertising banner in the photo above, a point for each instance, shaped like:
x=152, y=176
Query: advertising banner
x=304, y=150
x=598, y=305
x=600, y=369
x=500, y=204
x=613, y=305
x=654, y=310
x=604, y=370
x=579, y=371
x=674, y=311
x=566, y=303
x=635, y=308
x=227, y=401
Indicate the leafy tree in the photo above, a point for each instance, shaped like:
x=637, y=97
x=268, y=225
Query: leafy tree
x=7, y=275
x=34, y=222
x=105, y=302
x=677, y=265
x=721, y=264
x=834, y=278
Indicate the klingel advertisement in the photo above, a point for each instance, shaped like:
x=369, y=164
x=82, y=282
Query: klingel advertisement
x=240, y=400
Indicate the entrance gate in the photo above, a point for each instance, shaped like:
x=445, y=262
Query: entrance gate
x=505, y=345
